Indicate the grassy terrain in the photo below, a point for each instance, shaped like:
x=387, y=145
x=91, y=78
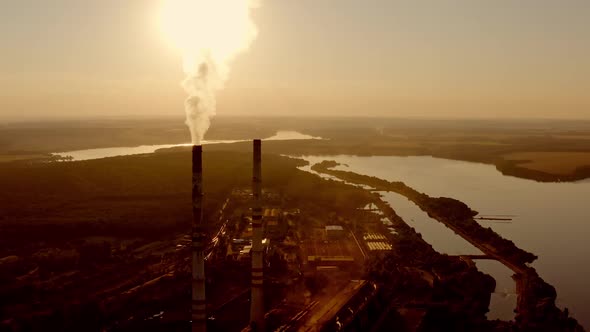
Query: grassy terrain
x=21, y=157
x=145, y=195
x=55, y=212
x=470, y=140
x=561, y=163
x=82, y=241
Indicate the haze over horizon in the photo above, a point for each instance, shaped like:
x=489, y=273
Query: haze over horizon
x=506, y=59
x=294, y=165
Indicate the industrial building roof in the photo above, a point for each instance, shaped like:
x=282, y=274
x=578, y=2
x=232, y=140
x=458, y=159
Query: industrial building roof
x=374, y=237
x=379, y=246
x=271, y=213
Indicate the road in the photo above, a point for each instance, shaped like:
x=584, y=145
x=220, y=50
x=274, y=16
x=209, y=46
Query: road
x=214, y=243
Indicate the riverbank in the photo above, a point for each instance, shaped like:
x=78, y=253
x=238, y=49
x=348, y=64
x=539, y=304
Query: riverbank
x=536, y=306
x=524, y=149
x=420, y=288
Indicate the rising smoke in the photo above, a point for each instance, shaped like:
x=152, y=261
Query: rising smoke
x=200, y=105
x=209, y=33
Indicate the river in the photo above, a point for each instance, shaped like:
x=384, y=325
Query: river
x=443, y=240
x=549, y=219
x=88, y=154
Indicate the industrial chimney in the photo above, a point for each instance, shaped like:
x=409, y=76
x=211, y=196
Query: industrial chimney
x=257, y=297
x=199, y=315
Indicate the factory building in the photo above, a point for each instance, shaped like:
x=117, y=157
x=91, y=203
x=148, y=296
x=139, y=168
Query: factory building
x=374, y=237
x=334, y=232
x=376, y=242
x=275, y=224
x=293, y=217
x=379, y=246
x=340, y=261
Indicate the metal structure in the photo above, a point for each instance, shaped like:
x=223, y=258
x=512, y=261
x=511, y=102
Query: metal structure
x=198, y=313
x=257, y=297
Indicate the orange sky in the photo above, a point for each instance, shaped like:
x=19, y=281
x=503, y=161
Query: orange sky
x=443, y=58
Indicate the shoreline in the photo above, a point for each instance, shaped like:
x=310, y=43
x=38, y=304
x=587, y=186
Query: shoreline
x=327, y=148
x=536, y=306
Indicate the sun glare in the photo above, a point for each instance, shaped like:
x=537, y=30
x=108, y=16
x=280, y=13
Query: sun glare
x=208, y=34
x=216, y=28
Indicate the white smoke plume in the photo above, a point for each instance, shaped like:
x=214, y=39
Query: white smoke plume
x=200, y=105
x=209, y=33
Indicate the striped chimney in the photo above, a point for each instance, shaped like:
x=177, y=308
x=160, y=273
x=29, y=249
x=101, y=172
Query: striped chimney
x=257, y=298
x=198, y=312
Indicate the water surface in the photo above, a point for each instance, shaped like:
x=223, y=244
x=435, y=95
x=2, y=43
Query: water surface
x=444, y=240
x=88, y=154
x=550, y=219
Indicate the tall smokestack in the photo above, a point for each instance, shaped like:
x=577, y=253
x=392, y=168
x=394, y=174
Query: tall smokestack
x=257, y=298
x=199, y=315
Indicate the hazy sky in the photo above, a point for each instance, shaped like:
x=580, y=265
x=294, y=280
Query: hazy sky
x=443, y=58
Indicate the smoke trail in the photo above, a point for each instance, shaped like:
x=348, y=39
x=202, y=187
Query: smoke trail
x=200, y=105
x=209, y=33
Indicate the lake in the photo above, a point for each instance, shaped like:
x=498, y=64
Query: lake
x=88, y=154
x=549, y=219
